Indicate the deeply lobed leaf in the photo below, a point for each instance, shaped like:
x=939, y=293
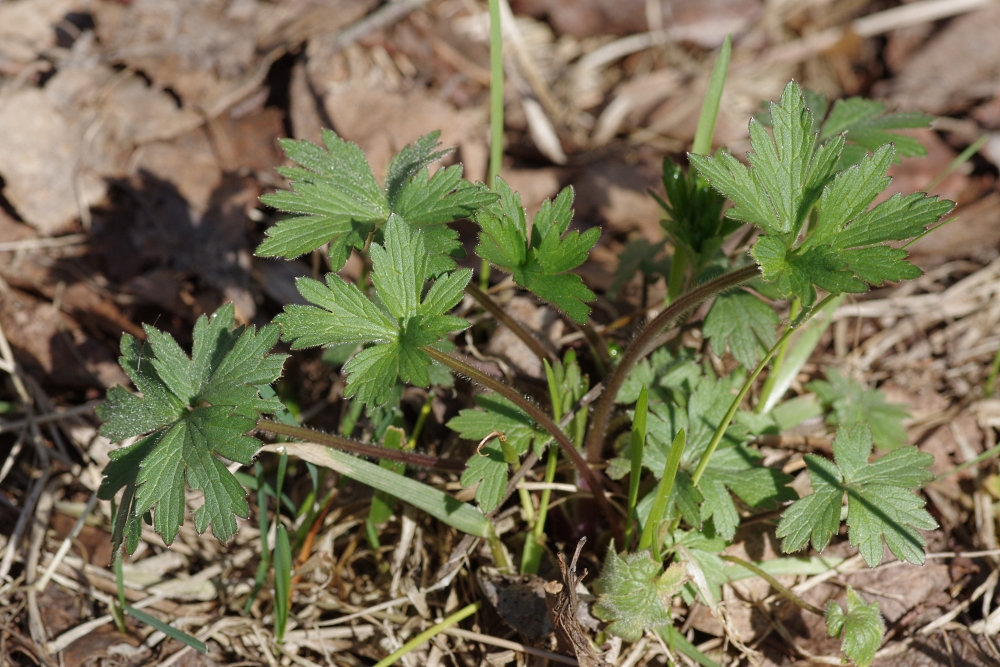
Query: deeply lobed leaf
x=343, y=314
x=860, y=626
x=487, y=467
x=540, y=263
x=192, y=411
x=793, y=175
x=881, y=504
x=335, y=199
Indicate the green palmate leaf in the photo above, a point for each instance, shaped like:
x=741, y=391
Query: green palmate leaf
x=852, y=403
x=635, y=593
x=881, y=503
x=745, y=323
x=488, y=466
x=793, y=174
x=336, y=200
x=409, y=322
x=192, y=410
x=542, y=262
x=861, y=627
x=733, y=468
x=866, y=126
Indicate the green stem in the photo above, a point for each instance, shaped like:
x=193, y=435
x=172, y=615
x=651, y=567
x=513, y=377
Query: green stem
x=591, y=476
x=430, y=633
x=775, y=584
x=765, y=391
x=496, y=113
x=501, y=316
x=641, y=346
x=721, y=430
x=337, y=442
x=989, y=453
x=418, y=428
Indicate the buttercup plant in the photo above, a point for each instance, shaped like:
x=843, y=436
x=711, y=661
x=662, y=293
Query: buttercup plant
x=809, y=189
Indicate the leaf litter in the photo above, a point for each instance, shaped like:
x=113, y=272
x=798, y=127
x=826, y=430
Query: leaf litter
x=126, y=157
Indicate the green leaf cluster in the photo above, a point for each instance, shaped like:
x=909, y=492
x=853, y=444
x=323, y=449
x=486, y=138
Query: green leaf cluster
x=335, y=199
x=851, y=403
x=635, y=593
x=698, y=406
x=405, y=320
x=860, y=626
x=793, y=180
x=192, y=410
x=744, y=323
x=881, y=503
x=694, y=219
x=541, y=260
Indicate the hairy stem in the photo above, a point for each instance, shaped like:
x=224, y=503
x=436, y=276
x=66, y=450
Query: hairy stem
x=735, y=405
x=641, y=346
x=494, y=309
x=591, y=476
x=343, y=444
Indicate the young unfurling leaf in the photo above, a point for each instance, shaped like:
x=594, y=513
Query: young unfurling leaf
x=541, y=263
x=881, y=503
x=335, y=199
x=409, y=322
x=192, y=411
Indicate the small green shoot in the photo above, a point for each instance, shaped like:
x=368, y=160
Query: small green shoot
x=651, y=530
x=636, y=449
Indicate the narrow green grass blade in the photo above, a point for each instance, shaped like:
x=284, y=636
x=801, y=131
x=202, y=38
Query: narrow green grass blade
x=675, y=640
x=265, y=553
x=282, y=582
x=799, y=352
x=168, y=630
x=440, y=505
x=666, y=485
x=713, y=97
x=636, y=451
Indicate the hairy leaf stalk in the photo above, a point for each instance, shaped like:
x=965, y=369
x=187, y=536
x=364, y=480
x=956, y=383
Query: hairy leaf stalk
x=590, y=475
x=643, y=345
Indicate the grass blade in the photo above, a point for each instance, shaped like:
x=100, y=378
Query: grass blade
x=440, y=505
x=638, y=445
x=652, y=528
x=713, y=97
x=282, y=582
x=168, y=630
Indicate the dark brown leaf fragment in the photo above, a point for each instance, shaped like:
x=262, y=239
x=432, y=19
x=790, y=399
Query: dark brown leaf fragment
x=563, y=607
